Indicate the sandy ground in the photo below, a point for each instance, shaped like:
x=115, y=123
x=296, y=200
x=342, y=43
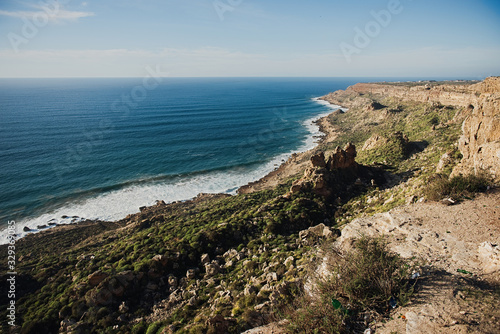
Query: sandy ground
x=446, y=241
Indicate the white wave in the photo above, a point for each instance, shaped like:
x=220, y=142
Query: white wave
x=118, y=204
x=328, y=104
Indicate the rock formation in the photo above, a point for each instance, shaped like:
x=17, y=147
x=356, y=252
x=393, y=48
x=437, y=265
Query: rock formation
x=319, y=176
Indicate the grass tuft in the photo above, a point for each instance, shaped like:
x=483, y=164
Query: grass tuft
x=363, y=280
x=457, y=188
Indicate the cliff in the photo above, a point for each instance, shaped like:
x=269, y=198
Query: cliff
x=480, y=140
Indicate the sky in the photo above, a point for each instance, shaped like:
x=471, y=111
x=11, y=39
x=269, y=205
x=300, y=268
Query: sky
x=243, y=38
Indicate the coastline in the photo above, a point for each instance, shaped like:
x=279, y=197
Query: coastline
x=322, y=132
x=297, y=161
x=209, y=255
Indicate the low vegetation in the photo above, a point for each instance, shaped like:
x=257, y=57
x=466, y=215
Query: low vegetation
x=364, y=283
x=457, y=187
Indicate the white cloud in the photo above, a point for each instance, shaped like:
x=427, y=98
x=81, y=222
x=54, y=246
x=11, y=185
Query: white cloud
x=55, y=14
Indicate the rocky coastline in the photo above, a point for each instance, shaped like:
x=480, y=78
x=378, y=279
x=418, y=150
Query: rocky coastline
x=405, y=164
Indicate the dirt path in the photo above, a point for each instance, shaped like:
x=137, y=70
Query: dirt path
x=459, y=247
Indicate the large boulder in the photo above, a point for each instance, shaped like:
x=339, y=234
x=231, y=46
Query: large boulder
x=97, y=277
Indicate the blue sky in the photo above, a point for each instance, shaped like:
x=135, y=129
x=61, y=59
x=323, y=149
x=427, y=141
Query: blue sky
x=390, y=38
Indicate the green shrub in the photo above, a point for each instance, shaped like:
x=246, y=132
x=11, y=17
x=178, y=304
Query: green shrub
x=153, y=328
x=363, y=279
x=457, y=187
x=369, y=276
x=139, y=328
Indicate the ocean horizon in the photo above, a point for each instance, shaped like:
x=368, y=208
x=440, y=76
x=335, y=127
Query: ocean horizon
x=98, y=149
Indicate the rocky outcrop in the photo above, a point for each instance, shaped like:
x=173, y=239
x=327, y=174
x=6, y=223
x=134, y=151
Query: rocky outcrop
x=97, y=277
x=342, y=158
x=373, y=142
x=318, y=177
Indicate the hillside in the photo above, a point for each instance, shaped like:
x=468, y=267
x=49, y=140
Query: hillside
x=222, y=263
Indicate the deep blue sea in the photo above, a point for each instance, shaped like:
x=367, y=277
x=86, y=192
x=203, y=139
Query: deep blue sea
x=101, y=148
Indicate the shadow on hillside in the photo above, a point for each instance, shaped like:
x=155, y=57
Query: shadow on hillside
x=439, y=283
x=415, y=147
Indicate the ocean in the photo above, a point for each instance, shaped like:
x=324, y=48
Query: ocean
x=74, y=149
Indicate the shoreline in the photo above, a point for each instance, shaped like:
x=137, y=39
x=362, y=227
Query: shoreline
x=299, y=160
x=283, y=168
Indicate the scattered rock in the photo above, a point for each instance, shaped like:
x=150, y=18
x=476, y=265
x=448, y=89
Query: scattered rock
x=172, y=281
x=220, y=324
x=490, y=257
x=444, y=162
x=205, y=258
x=249, y=289
x=161, y=259
x=190, y=274
x=290, y=260
x=448, y=201
x=123, y=308
x=211, y=269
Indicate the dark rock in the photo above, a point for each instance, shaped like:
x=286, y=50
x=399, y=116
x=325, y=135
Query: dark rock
x=318, y=160
x=145, y=223
x=97, y=277
x=375, y=106
x=125, y=277
x=26, y=229
x=219, y=324
x=98, y=297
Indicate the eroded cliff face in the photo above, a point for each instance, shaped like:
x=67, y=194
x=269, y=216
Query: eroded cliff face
x=480, y=140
